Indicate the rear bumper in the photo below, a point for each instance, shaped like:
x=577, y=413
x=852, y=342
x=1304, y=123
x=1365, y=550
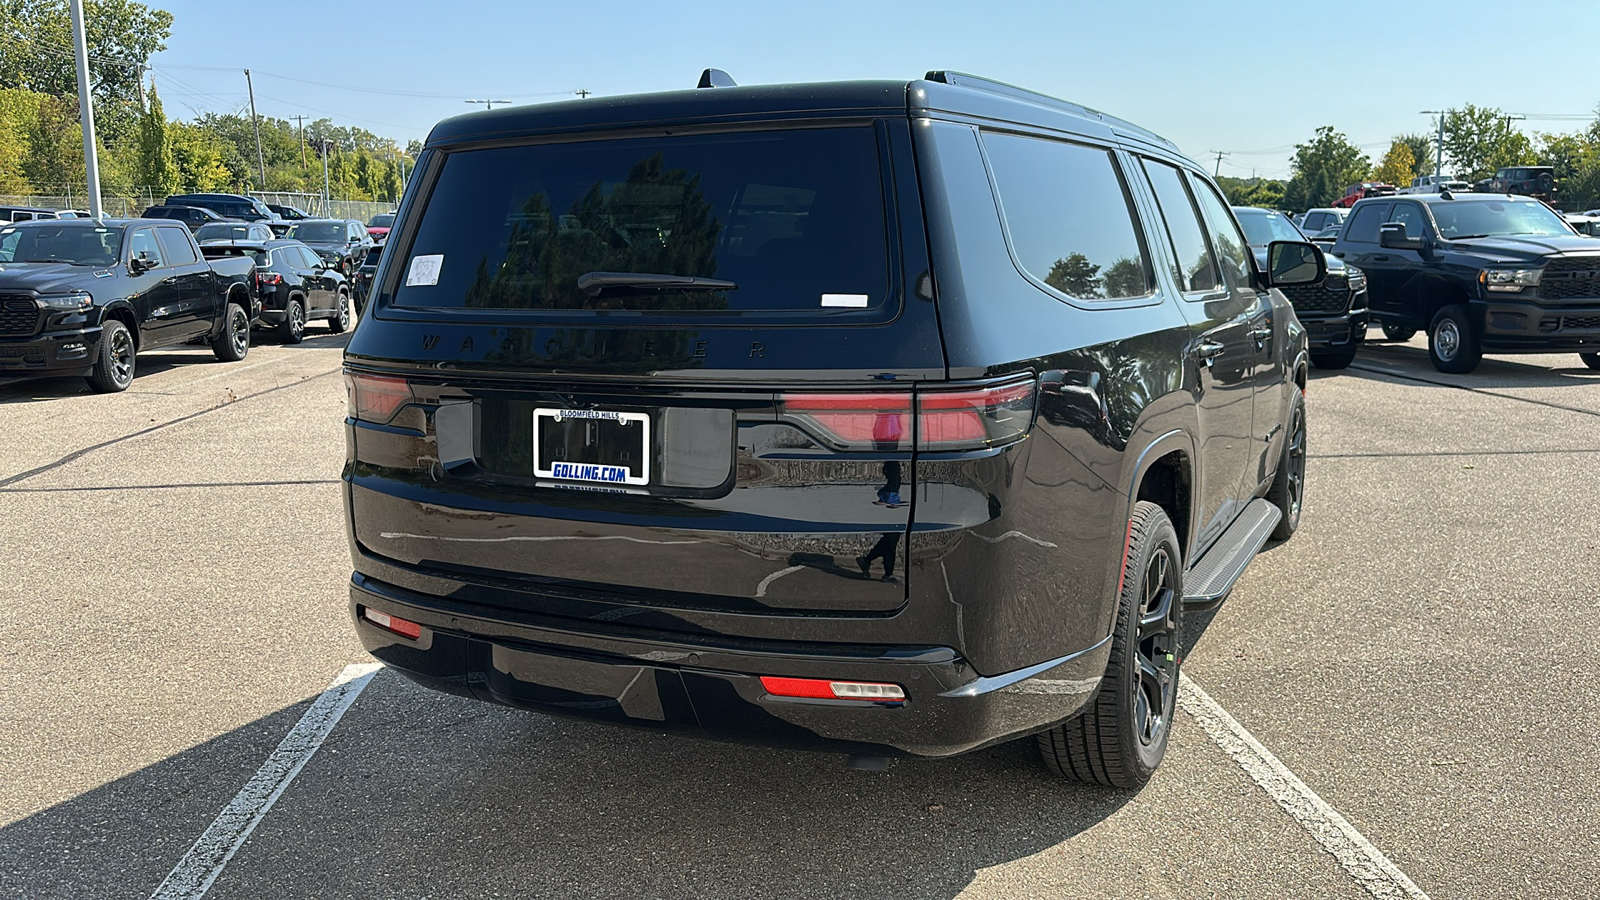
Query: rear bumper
x=51, y=354
x=714, y=690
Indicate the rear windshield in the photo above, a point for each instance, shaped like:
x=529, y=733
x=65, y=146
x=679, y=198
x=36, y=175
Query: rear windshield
x=381, y=221
x=222, y=231
x=788, y=220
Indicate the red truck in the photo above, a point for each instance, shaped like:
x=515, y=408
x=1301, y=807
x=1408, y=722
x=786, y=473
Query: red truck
x=1364, y=189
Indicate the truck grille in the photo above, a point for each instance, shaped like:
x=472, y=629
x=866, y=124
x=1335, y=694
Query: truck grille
x=19, y=316
x=1571, y=279
x=1331, y=296
x=1551, y=324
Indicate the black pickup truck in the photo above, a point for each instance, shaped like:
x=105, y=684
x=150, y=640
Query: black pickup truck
x=82, y=296
x=1481, y=272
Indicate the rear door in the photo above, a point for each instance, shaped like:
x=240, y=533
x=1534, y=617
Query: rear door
x=740, y=443
x=1221, y=350
x=198, y=303
x=317, y=278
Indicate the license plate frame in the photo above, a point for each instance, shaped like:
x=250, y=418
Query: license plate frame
x=599, y=471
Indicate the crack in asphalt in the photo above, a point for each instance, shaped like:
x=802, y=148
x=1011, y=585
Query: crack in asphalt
x=82, y=452
x=163, y=487
x=1433, y=453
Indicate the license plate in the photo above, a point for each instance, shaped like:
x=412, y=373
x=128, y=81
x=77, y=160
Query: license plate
x=593, y=446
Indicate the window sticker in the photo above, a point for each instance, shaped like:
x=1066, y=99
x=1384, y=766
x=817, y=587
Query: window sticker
x=424, y=270
x=848, y=301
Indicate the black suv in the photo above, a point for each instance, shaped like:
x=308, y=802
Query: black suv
x=296, y=286
x=1333, y=311
x=767, y=413
x=1481, y=272
x=342, y=243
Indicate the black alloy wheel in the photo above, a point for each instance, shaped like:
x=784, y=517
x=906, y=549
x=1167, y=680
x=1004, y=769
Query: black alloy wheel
x=1289, y=485
x=113, y=365
x=1592, y=360
x=293, y=329
x=340, y=323
x=1399, y=332
x=234, y=341
x=1121, y=735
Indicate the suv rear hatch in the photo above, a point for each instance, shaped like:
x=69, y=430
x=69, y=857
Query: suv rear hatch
x=663, y=368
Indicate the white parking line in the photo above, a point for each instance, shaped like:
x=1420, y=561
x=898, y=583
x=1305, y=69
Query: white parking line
x=1366, y=863
x=199, y=868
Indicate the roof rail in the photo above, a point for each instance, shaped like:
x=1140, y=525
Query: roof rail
x=978, y=82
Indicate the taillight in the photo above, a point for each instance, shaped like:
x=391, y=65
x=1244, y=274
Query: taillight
x=374, y=398
x=403, y=627
x=268, y=278
x=825, y=689
x=966, y=418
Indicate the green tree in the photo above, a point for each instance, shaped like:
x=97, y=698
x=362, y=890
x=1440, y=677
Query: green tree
x=1323, y=168
x=1422, y=153
x=19, y=110
x=1397, y=165
x=1480, y=139
x=1263, y=192
x=1075, y=276
x=200, y=158
x=157, y=170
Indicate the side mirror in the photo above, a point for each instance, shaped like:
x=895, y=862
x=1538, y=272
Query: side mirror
x=1294, y=262
x=138, y=265
x=1393, y=237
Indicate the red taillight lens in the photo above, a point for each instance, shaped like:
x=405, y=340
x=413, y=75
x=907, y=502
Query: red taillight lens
x=824, y=689
x=268, y=278
x=374, y=398
x=403, y=627
x=968, y=418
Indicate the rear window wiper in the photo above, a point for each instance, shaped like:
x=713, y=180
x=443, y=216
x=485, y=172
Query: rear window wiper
x=592, y=283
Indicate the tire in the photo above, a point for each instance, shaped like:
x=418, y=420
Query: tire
x=234, y=341
x=1398, y=332
x=1592, y=360
x=1452, y=343
x=293, y=328
x=113, y=364
x=1334, y=357
x=339, y=322
x=1121, y=736
x=1288, y=489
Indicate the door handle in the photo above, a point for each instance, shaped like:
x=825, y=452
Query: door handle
x=1209, y=350
x=1260, y=334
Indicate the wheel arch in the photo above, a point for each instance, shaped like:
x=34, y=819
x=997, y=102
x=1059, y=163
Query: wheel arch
x=123, y=312
x=1164, y=474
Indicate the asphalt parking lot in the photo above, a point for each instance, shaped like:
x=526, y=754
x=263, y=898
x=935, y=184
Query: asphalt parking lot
x=174, y=603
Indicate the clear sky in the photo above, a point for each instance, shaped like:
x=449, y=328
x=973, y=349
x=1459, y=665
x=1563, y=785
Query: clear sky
x=1250, y=78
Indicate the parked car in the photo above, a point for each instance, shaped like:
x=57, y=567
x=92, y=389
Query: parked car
x=1481, y=272
x=379, y=225
x=1333, y=311
x=289, y=213
x=342, y=243
x=233, y=231
x=193, y=216
x=647, y=455
x=1365, y=189
x=82, y=296
x=1538, y=182
x=1433, y=184
x=362, y=284
x=25, y=213
x=72, y=213
x=232, y=206
x=1316, y=220
x=1586, y=225
x=296, y=287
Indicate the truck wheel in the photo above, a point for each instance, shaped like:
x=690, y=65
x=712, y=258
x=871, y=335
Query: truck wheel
x=1288, y=489
x=293, y=329
x=113, y=365
x=1452, y=343
x=1398, y=332
x=1335, y=357
x=234, y=341
x=340, y=322
x=1592, y=360
x=1120, y=737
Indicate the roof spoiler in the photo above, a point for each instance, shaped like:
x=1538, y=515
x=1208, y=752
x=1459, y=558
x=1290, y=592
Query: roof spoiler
x=716, y=78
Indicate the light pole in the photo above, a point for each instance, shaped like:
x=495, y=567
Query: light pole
x=489, y=104
x=91, y=161
x=1438, y=158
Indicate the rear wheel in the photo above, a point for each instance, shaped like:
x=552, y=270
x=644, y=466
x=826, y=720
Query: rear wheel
x=1452, y=343
x=339, y=322
x=1289, y=485
x=1592, y=360
x=293, y=328
x=234, y=341
x=113, y=365
x=1121, y=736
x=1398, y=332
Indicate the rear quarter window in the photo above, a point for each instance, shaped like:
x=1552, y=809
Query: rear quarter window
x=795, y=218
x=1069, y=217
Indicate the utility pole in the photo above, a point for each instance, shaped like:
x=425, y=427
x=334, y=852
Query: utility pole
x=489, y=104
x=91, y=161
x=583, y=93
x=1220, y=155
x=322, y=149
x=1438, y=156
x=254, y=120
x=301, y=121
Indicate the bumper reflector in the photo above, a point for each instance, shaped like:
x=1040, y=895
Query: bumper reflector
x=823, y=689
x=403, y=627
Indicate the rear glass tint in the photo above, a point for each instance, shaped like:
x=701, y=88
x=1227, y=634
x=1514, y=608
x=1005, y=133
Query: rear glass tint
x=794, y=218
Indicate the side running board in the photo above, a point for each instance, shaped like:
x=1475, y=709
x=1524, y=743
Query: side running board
x=1209, y=582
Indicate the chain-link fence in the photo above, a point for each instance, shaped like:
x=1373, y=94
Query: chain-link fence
x=118, y=206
